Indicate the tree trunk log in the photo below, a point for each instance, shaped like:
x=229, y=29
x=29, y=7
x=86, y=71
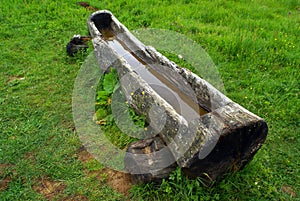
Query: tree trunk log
x=223, y=140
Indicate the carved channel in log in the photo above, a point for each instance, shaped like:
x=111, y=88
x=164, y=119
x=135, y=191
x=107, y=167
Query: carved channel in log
x=167, y=87
x=204, y=132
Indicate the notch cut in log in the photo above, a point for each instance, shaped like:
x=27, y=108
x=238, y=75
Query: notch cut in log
x=202, y=131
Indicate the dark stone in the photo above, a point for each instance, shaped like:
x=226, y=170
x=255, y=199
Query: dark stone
x=77, y=43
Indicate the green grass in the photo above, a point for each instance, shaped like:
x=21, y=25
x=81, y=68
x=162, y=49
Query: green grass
x=255, y=45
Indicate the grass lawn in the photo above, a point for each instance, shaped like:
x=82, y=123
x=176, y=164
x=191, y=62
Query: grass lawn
x=255, y=45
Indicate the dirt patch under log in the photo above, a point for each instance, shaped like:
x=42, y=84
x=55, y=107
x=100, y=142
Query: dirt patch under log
x=49, y=188
x=119, y=181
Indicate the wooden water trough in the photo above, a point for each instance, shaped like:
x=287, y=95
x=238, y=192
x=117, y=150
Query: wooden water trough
x=191, y=124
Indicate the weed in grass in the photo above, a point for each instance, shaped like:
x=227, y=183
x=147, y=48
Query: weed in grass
x=104, y=117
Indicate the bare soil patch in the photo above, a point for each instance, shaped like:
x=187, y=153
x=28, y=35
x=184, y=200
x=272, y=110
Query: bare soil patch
x=87, y=6
x=49, y=188
x=4, y=180
x=121, y=182
x=289, y=190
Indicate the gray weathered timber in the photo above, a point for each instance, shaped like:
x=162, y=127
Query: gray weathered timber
x=222, y=140
x=143, y=172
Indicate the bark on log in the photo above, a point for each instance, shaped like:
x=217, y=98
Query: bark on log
x=146, y=164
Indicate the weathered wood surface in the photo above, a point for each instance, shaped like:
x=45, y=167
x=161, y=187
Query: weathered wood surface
x=225, y=139
x=143, y=160
x=241, y=134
